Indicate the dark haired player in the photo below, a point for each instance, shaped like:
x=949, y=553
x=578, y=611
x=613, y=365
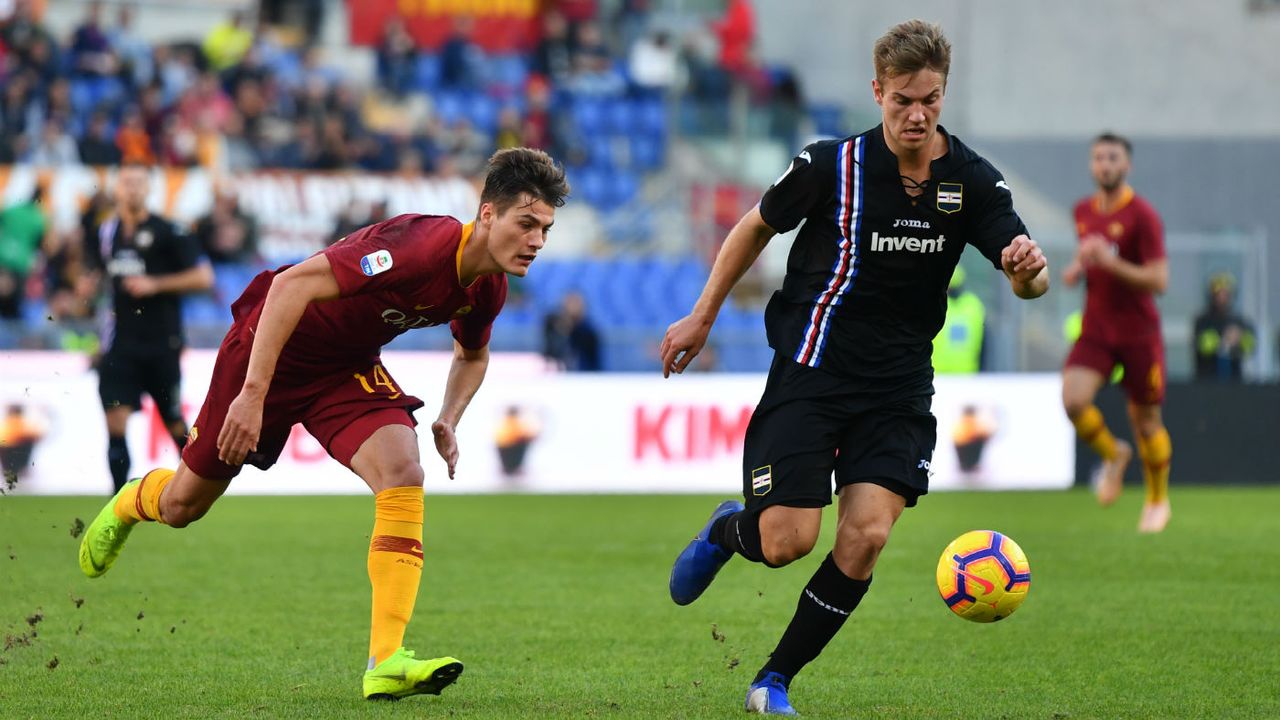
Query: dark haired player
x=305, y=347
x=1122, y=260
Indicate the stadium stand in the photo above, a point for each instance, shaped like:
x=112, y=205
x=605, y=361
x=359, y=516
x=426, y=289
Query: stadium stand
x=250, y=96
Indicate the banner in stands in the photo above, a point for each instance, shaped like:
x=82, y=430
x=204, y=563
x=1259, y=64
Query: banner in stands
x=531, y=430
x=498, y=25
x=296, y=212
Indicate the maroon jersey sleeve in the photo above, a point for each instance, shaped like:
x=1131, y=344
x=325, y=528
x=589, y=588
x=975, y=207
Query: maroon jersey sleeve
x=473, y=329
x=1150, y=233
x=396, y=255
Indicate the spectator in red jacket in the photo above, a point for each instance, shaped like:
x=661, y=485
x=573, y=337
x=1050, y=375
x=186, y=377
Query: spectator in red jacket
x=736, y=30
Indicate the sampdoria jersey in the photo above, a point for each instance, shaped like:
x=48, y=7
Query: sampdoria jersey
x=155, y=247
x=865, y=288
x=392, y=277
x=1115, y=312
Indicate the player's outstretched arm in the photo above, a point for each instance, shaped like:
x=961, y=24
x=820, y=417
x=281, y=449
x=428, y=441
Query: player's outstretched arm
x=291, y=291
x=685, y=337
x=1025, y=265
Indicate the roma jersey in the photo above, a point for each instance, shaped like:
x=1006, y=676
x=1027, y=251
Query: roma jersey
x=1114, y=311
x=393, y=277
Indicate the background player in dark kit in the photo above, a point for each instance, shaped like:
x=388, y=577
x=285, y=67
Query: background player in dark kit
x=149, y=263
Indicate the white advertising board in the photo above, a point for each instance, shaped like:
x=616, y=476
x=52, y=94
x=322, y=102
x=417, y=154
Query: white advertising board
x=567, y=433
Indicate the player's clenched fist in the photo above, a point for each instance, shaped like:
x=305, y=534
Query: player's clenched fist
x=1023, y=259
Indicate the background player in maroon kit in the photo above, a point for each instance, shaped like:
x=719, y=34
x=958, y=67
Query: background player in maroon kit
x=1122, y=259
x=304, y=348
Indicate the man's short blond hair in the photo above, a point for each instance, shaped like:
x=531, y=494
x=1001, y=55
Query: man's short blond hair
x=910, y=47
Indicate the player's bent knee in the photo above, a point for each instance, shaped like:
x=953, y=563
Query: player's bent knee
x=1149, y=430
x=1075, y=404
x=874, y=537
x=1147, y=423
x=784, y=548
x=858, y=547
x=400, y=473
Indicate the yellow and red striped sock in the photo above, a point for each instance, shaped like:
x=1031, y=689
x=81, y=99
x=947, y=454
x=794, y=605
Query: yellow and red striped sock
x=1092, y=428
x=395, y=567
x=141, y=502
x=1156, y=452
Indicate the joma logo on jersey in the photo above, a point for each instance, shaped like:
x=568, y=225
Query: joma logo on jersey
x=911, y=223
x=885, y=243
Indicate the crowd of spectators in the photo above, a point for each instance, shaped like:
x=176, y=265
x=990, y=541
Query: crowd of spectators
x=237, y=99
x=250, y=95
x=244, y=97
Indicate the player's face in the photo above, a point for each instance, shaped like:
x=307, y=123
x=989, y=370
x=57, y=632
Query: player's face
x=132, y=186
x=518, y=233
x=1109, y=165
x=911, y=104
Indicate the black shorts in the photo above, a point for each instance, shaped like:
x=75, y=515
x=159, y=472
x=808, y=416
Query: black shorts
x=798, y=439
x=125, y=373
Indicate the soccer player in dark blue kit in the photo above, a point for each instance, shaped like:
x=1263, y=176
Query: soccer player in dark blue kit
x=888, y=213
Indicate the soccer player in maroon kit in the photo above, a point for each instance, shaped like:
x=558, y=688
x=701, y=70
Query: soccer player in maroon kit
x=304, y=348
x=1122, y=259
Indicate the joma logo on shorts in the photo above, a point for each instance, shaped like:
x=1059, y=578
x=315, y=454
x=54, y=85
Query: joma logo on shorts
x=910, y=244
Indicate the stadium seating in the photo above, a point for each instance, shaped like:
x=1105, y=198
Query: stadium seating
x=828, y=119
x=613, y=143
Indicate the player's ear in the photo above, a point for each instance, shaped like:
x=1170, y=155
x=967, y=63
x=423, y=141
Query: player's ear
x=877, y=91
x=487, y=214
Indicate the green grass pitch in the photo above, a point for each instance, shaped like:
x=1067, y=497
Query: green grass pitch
x=558, y=606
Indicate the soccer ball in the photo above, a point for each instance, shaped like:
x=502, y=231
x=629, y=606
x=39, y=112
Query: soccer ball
x=983, y=576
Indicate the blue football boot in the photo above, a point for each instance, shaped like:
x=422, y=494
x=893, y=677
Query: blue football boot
x=769, y=696
x=701, y=559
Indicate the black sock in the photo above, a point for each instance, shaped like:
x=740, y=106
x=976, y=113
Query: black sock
x=118, y=459
x=740, y=533
x=824, y=606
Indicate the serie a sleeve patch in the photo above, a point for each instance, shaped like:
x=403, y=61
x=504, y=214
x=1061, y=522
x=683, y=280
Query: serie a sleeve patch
x=376, y=262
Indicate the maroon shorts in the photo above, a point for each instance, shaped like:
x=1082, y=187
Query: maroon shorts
x=1143, y=363
x=340, y=408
